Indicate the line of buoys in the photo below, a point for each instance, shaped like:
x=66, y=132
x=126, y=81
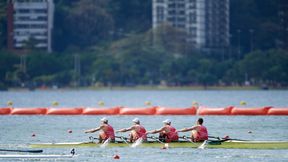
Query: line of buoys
x=215, y=111
x=101, y=111
x=175, y=111
x=137, y=111
x=250, y=111
x=29, y=111
x=64, y=111
x=5, y=111
x=278, y=111
x=145, y=111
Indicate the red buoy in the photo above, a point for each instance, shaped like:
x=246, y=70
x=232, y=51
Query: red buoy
x=116, y=156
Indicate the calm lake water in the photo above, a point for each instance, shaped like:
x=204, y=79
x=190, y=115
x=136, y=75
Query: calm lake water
x=16, y=131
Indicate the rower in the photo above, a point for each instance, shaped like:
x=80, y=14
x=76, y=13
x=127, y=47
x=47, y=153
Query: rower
x=107, y=131
x=167, y=133
x=199, y=132
x=137, y=131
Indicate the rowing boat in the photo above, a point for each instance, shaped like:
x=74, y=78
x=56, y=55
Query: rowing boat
x=229, y=144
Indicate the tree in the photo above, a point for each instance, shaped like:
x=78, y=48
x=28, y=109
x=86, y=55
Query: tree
x=89, y=23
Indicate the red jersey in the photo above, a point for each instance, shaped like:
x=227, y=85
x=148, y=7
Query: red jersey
x=202, y=133
x=171, y=134
x=140, y=131
x=108, y=132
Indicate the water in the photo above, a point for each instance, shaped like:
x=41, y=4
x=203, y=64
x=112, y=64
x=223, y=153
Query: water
x=16, y=131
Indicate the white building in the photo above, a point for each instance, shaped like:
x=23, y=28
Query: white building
x=205, y=22
x=30, y=20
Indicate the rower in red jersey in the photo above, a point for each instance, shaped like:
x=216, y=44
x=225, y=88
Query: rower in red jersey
x=167, y=133
x=137, y=131
x=107, y=131
x=199, y=132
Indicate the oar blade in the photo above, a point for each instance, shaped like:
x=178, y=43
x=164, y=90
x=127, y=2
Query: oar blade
x=22, y=150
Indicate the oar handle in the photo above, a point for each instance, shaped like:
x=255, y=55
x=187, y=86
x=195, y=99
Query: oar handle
x=155, y=138
x=121, y=137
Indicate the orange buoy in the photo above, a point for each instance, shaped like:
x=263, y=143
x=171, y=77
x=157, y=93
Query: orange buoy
x=5, y=111
x=278, y=111
x=29, y=111
x=175, y=111
x=64, y=111
x=250, y=111
x=215, y=111
x=101, y=111
x=137, y=111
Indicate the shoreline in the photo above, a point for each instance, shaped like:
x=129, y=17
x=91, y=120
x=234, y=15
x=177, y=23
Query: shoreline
x=158, y=88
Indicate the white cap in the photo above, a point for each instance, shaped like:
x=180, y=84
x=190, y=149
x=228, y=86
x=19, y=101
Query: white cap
x=104, y=119
x=136, y=120
x=167, y=121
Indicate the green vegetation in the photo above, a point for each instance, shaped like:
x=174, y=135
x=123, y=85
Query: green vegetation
x=110, y=43
x=146, y=66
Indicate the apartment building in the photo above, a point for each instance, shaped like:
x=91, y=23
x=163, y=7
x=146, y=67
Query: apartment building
x=205, y=22
x=30, y=23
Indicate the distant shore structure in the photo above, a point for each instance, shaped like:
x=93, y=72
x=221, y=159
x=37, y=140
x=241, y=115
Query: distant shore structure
x=30, y=24
x=204, y=22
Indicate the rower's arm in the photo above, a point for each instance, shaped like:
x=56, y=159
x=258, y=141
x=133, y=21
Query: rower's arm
x=156, y=131
x=93, y=130
x=125, y=129
x=187, y=129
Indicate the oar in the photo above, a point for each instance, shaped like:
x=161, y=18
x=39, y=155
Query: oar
x=123, y=139
x=105, y=143
x=155, y=138
x=199, y=147
x=137, y=142
x=226, y=139
x=188, y=139
x=22, y=150
x=91, y=138
x=203, y=145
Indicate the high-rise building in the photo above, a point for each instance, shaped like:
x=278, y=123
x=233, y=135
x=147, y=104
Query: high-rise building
x=30, y=23
x=205, y=22
x=283, y=17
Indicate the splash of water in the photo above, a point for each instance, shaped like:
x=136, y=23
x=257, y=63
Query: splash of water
x=203, y=145
x=106, y=142
x=137, y=142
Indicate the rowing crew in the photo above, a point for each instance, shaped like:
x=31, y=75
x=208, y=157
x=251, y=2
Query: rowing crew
x=167, y=133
